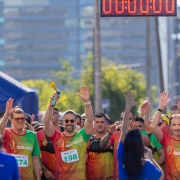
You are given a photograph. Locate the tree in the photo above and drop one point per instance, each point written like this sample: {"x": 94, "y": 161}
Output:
{"x": 116, "y": 80}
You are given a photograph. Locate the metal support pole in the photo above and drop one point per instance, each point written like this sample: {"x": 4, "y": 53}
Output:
{"x": 97, "y": 61}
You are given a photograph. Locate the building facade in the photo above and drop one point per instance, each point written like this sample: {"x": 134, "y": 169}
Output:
{"x": 38, "y": 33}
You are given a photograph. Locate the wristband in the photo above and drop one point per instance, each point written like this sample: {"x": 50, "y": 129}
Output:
{"x": 87, "y": 103}
{"x": 160, "y": 110}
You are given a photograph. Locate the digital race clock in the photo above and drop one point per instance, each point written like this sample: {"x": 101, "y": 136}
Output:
{"x": 114, "y": 8}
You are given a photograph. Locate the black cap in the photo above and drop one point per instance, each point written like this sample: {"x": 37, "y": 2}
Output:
{"x": 28, "y": 118}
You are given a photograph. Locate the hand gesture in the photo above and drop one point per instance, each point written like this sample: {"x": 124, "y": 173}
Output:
{"x": 164, "y": 100}
{"x": 84, "y": 94}
{"x": 144, "y": 108}
{"x": 112, "y": 129}
{"x": 54, "y": 95}
{"x": 9, "y": 109}
{"x": 130, "y": 99}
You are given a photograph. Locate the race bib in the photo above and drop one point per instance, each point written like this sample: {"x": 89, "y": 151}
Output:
{"x": 22, "y": 160}
{"x": 70, "y": 156}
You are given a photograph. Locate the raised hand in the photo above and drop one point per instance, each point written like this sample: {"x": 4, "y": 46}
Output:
{"x": 164, "y": 100}
{"x": 9, "y": 109}
{"x": 112, "y": 129}
{"x": 85, "y": 95}
{"x": 144, "y": 108}
{"x": 54, "y": 95}
{"x": 130, "y": 99}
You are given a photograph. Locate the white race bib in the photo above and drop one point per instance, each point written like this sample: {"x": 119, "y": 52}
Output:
{"x": 70, "y": 156}
{"x": 22, "y": 160}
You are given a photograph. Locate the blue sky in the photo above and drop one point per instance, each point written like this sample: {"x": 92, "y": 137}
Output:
{"x": 178, "y": 2}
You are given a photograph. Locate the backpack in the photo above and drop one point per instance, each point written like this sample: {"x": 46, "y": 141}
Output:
{"x": 95, "y": 146}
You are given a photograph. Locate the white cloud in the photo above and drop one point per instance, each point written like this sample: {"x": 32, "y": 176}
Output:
{"x": 178, "y": 2}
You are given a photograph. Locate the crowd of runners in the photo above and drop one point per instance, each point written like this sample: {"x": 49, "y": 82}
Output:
{"x": 91, "y": 147}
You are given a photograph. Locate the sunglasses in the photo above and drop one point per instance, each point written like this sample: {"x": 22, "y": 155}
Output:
{"x": 71, "y": 120}
{"x": 18, "y": 119}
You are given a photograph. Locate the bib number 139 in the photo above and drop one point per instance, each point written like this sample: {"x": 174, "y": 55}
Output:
{"x": 70, "y": 156}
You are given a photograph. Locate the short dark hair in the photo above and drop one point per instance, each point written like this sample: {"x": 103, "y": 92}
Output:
{"x": 139, "y": 119}
{"x": 71, "y": 112}
{"x": 99, "y": 115}
{"x": 18, "y": 111}
{"x": 56, "y": 109}
{"x": 79, "y": 116}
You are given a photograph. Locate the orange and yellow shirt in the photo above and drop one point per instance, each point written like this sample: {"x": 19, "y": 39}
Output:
{"x": 99, "y": 165}
{"x": 70, "y": 155}
{"x": 23, "y": 147}
{"x": 172, "y": 154}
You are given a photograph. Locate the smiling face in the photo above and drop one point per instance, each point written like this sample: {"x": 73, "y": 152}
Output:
{"x": 69, "y": 122}
{"x": 18, "y": 121}
{"x": 175, "y": 126}
{"x": 100, "y": 125}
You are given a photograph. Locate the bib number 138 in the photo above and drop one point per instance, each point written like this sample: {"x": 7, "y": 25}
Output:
{"x": 70, "y": 156}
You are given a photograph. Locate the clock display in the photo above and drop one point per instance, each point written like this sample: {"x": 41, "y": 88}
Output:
{"x": 138, "y": 8}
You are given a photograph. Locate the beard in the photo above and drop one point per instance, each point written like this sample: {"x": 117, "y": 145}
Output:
{"x": 70, "y": 128}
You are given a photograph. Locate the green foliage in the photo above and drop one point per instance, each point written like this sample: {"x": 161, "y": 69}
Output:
{"x": 43, "y": 89}
{"x": 116, "y": 80}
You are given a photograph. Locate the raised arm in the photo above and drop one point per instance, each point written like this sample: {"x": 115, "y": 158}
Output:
{"x": 164, "y": 101}
{"x": 145, "y": 114}
{"x": 85, "y": 96}
{"x": 49, "y": 128}
{"x": 129, "y": 104}
{"x": 9, "y": 110}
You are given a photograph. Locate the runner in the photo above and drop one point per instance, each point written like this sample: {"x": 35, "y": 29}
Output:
{"x": 21, "y": 143}
{"x": 169, "y": 137}
{"x": 99, "y": 160}
{"x": 155, "y": 146}
{"x": 70, "y": 146}
{"x": 48, "y": 158}
{"x": 112, "y": 139}
{"x": 131, "y": 152}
